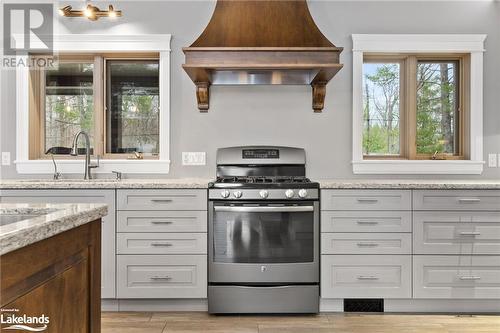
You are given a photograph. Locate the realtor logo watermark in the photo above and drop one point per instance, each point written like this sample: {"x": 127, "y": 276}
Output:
{"x": 28, "y": 28}
{"x": 10, "y": 319}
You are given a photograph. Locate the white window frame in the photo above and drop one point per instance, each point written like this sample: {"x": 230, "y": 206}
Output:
{"x": 87, "y": 43}
{"x": 414, "y": 44}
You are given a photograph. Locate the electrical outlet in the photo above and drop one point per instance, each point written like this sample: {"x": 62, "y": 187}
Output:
{"x": 492, "y": 160}
{"x": 6, "y": 158}
{"x": 193, "y": 158}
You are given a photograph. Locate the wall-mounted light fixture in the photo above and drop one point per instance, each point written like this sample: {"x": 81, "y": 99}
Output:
{"x": 91, "y": 12}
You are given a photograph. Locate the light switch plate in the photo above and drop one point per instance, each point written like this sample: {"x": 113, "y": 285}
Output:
{"x": 193, "y": 158}
{"x": 492, "y": 160}
{"x": 6, "y": 158}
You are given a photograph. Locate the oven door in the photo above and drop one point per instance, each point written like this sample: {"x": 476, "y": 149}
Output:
{"x": 268, "y": 243}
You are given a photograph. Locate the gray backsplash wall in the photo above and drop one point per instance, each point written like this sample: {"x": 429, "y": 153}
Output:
{"x": 282, "y": 115}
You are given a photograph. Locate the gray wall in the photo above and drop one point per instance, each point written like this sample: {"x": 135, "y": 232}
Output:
{"x": 282, "y": 115}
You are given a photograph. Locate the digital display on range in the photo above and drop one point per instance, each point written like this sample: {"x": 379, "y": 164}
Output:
{"x": 260, "y": 153}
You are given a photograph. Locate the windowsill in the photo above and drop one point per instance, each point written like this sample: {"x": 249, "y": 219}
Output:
{"x": 418, "y": 167}
{"x": 106, "y": 166}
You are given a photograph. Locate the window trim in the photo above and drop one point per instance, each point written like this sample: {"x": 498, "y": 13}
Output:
{"x": 89, "y": 43}
{"x": 472, "y": 45}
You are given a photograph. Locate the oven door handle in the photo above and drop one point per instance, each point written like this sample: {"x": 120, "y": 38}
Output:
{"x": 264, "y": 209}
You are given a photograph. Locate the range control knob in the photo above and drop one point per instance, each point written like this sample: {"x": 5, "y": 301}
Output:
{"x": 264, "y": 194}
{"x": 289, "y": 194}
{"x": 225, "y": 194}
{"x": 302, "y": 193}
{"x": 237, "y": 194}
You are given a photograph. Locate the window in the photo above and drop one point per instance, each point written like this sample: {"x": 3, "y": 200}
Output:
{"x": 132, "y": 102}
{"x": 414, "y": 106}
{"x": 112, "y": 97}
{"x": 417, "y": 104}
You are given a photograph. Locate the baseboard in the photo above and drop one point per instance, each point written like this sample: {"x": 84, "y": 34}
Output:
{"x": 443, "y": 305}
{"x": 154, "y": 305}
{"x": 326, "y": 305}
{"x": 331, "y": 305}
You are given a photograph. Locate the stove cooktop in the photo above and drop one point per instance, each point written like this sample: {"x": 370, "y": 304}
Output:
{"x": 263, "y": 182}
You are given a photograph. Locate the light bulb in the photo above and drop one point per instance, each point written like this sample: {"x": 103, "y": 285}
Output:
{"x": 89, "y": 11}
{"x": 111, "y": 11}
{"x": 64, "y": 10}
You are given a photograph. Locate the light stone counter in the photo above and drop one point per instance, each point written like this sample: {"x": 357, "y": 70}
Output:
{"x": 493, "y": 184}
{"x": 25, "y": 224}
{"x": 201, "y": 183}
{"x": 36, "y": 184}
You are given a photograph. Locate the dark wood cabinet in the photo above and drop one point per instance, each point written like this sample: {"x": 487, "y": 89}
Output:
{"x": 58, "y": 277}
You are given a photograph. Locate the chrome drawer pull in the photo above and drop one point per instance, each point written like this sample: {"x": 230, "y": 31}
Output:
{"x": 469, "y": 200}
{"x": 367, "y": 277}
{"x": 472, "y": 233}
{"x": 367, "y": 200}
{"x": 161, "y": 200}
{"x": 162, "y": 244}
{"x": 160, "y": 278}
{"x": 367, "y": 244}
{"x": 366, "y": 222}
{"x": 469, "y": 278}
{"x": 162, "y": 222}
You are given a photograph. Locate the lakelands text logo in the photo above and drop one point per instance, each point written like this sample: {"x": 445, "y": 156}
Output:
{"x": 28, "y": 28}
{"x": 23, "y": 322}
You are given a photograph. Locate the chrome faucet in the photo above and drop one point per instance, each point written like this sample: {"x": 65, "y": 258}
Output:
{"x": 57, "y": 174}
{"x": 74, "y": 152}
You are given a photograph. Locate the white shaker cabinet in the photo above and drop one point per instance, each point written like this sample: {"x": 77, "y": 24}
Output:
{"x": 80, "y": 196}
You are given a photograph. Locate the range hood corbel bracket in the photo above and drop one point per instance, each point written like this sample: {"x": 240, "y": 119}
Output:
{"x": 318, "y": 96}
{"x": 203, "y": 95}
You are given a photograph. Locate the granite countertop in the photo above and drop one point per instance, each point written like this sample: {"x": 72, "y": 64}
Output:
{"x": 24, "y": 224}
{"x": 201, "y": 183}
{"x": 103, "y": 183}
{"x": 491, "y": 184}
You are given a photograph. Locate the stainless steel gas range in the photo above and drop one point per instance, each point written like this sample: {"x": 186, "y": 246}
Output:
{"x": 263, "y": 233}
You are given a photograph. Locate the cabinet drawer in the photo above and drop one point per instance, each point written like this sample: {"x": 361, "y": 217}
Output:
{"x": 161, "y": 243}
{"x": 456, "y": 200}
{"x": 377, "y": 221}
{"x": 462, "y": 277}
{"x": 367, "y": 243}
{"x": 161, "y": 199}
{"x": 370, "y": 276}
{"x": 456, "y": 233}
{"x": 161, "y": 221}
{"x": 365, "y": 200}
{"x": 162, "y": 276}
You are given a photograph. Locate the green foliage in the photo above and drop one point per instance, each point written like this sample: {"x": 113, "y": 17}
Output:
{"x": 436, "y": 107}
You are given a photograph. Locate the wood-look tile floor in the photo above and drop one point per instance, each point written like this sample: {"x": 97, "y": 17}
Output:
{"x": 188, "y": 322}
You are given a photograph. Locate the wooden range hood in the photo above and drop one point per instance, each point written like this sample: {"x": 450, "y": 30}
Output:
{"x": 261, "y": 42}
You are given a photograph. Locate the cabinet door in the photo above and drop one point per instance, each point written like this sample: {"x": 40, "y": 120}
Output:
{"x": 456, "y": 200}
{"x": 367, "y": 276}
{"x": 463, "y": 233}
{"x": 56, "y": 299}
{"x": 80, "y": 196}
{"x": 162, "y": 276}
{"x": 161, "y": 221}
{"x": 365, "y": 221}
{"x": 365, "y": 243}
{"x": 365, "y": 200}
{"x": 161, "y": 243}
{"x": 179, "y": 199}
{"x": 461, "y": 277}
